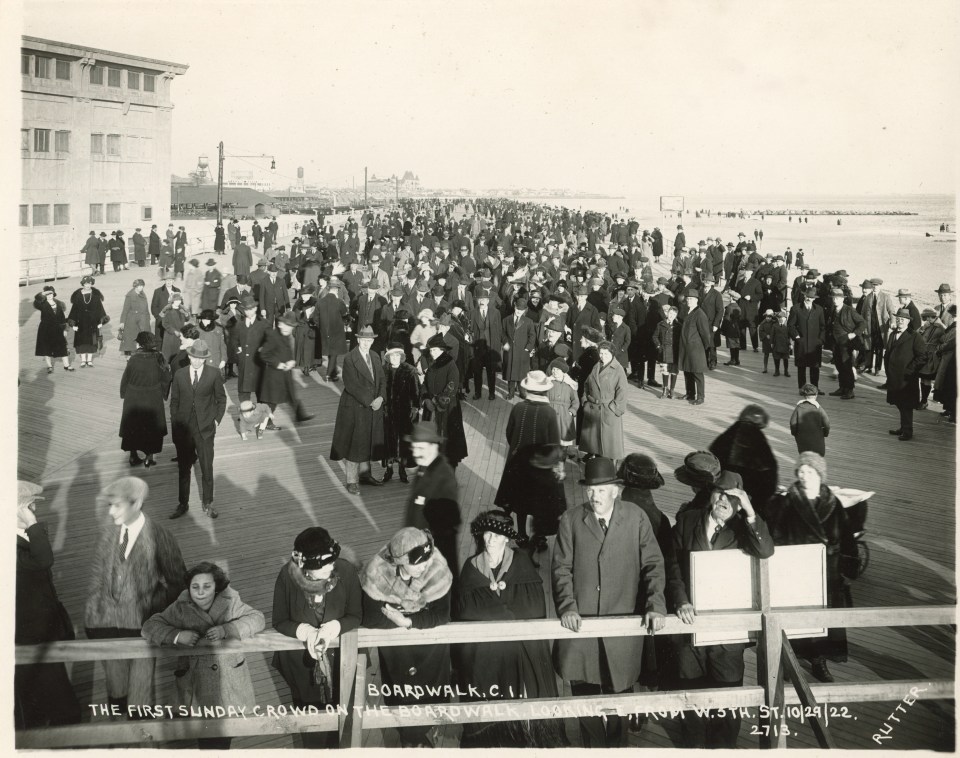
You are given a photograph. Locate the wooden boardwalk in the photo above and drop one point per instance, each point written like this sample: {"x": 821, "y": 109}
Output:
{"x": 267, "y": 491}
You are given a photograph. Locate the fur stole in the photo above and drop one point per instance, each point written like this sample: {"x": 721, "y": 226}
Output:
{"x": 314, "y": 590}
{"x": 381, "y": 581}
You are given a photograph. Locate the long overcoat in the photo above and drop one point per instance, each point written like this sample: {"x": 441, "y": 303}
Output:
{"x": 222, "y": 679}
{"x": 331, "y": 312}
{"x": 143, "y": 387}
{"x": 87, "y": 313}
{"x": 614, "y": 574}
{"x": 906, "y": 355}
{"x": 53, "y": 319}
{"x": 135, "y": 318}
{"x": 358, "y": 432}
{"x": 807, "y": 329}
{"x": 276, "y": 385}
{"x": 521, "y": 338}
{"x": 402, "y": 400}
{"x": 242, "y": 259}
{"x": 441, "y": 385}
{"x": 248, "y": 341}
{"x": 695, "y": 337}
{"x": 604, "y": 403}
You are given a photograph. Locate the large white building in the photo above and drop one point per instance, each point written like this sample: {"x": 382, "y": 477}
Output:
{"x": 95, "y": 144}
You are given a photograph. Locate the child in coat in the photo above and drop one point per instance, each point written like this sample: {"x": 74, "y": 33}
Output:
{"x": 765, "y": 332}
{"x": 562, "y": 397}
{"x": 809, "y": 423}
{"x": 254, "y": 418}
{"x": 731, "y": 328}
{"x": 666, "y": 338}
{"x": 780, "y": 338}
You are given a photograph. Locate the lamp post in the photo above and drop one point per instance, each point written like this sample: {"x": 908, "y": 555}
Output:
{"x": 273, "y": 167}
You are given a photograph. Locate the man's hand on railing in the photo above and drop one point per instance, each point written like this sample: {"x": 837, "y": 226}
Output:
{"x": 571, "y": 620}
{"x": 654, "y": 621}
{"x": 686, "y": 613}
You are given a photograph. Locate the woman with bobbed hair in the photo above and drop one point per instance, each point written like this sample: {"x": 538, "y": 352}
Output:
{"x": 208, "y": 611}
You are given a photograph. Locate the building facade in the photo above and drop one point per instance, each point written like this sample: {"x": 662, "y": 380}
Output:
{"x": 95, "y": 144}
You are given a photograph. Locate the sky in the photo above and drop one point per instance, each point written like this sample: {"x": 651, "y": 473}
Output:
{"x": 695, "y": 98}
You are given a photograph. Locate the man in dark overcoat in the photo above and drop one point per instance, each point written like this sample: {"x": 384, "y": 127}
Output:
{"x": 849, "y": 332}
{"x": 486, "y": 336}
{"x": 581, "y": 314}
{"x": 242, "y": 257}
{"x": 103, "y": 247}
{"x": 197, "y": 404}
{"x": 358, "y": 432}
{"x": 139, "y": 248}
{"x": 249, "y": 333}
{"x": 271, "y": 294}
{"x": 807, "y": 326}
{"x": 368, "y": 307}
{"x": 91, "y": 252}
{"x": 519, "y": 345}
{"x": 276, "y": 382}
{"x": 332, "y": 314}
{"x": 606, "y": 562}
{"x": 751, "y": 293}
{"x": 906, "y": 355}
{"x": 695, "y": 338}
{"x": 153, "y": 245}
{"x": 161, "y": 296}
{"x": 711, "y": 303}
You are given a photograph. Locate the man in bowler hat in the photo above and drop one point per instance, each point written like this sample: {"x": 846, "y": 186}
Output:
{"x": 906, "y": 355}
{"x": 606, "y": 563}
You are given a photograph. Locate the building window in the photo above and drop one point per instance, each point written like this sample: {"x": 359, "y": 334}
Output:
{"x": 63, "y": 70}
{"x": 24, "y": 215}
{"x": 96, "y": 75}
{"x": 133, "y": 80}
{"x": 25, "y": 140}
{"x": 113, "y": 77}
{"x": 96, "y": 213}
{"x": 146, "y": 213}
{"x": 113, "y": 213}
{"x": 96, "y": 144}
{"x": 61, "y": 215}
{"x": 25, "y": 68}
{"x": 41, "y": 140}
{"x": 41, "y": 215}
{"x": 61, "y": 142}
{"x": 113, "y": 144}
{"x": 41, "y": 67}
{"x": 149, "y": 83}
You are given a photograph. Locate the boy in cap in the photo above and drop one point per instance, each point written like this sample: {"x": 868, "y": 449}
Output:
{"x": 254, "y": 417}
{"x": 781, "y": 345}
{"x": 809, "y": 423}
{"x": 765, "y": 333}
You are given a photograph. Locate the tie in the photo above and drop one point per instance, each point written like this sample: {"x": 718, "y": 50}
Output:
{"x": 716, "y": 533}
{"x": 196, "y": 378}
{"x": 124, "y": 540}
{"x": 603, "y": 524}
{"x": 483, "y": 313}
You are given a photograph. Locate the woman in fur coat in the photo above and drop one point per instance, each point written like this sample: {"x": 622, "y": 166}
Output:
{"x": 208, "y": 610}
{"x": 407, "y": 585}
{"x": 305, "y": 334}
{"x": 441, "y": 400}
{"x": 402, "y": 403}
{"x": 214, "y": 335}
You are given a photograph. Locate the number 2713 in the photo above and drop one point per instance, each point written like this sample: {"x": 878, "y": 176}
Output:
{"x": 766, "y": 730}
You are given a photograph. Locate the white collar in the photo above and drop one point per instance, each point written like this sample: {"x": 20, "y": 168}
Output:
{"x": 533, "y": 398}
{"x": 134, "y": 529}
{"x": 811, "y": 400}
{"x": 23, "y": 533}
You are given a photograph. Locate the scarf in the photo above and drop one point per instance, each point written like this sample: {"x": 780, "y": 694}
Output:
{"x": 482, "y": 565}
{"x": 314, "y": 590}
{"x": 381, "y": 580}
{"x": 811, "y": 400}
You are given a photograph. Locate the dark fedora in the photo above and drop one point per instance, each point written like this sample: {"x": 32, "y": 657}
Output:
{"x": 600, "y": 471}
{"x": 640, "y": 471}
{"x": 437, "y": 341}
{"x": 424, "y": 433}
{"x": 699, "y": 469}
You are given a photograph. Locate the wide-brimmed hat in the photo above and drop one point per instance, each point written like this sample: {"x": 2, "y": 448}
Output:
{"x": 600, "y": 470}
{"x": 211, "y": 262}
{"x": 424, "y": 433}
{"x": 536, "y": 381}
{"x": 437, "y": 341}
{"x": 904, "y": 292}
{"x": 904, "y": 313}
{"x": 640, "y": 471}
{"x": 199, "y": 349}
{"x": 314, "y": 548}
{"x": 700, "y": 469}
{"x": 395, "y": 347}
{"x": 367, "y": 333}
{"x": 944, "y": 288}
{"x": 289, "y": 318}
{"x": 497, "y": 522}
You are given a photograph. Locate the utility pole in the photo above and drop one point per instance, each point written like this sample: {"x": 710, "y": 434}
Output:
{"x": 220, "y": 187}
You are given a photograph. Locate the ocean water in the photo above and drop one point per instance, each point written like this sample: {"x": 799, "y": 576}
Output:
{"x": 894, "y": 248}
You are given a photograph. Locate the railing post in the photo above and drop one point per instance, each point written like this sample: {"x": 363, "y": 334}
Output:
{"x": 359, "y": 702}
{"x": 769, "y": 670}
{"x": 348, "y": 669}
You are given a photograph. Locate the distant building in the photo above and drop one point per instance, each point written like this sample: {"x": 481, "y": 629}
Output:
{"x": 409, "y": 184}
{"x": 186, "y": 201}
{"x": 95, "y": 144}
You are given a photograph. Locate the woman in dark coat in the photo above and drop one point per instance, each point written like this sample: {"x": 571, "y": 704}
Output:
{"x": 134, "y": 318}
{"x": 399, "y": 331}
{"x": 407, "y": 584}
{"x": 402, "y": 405}
{"x": 306, "y": 348}
{"x": 743, "y": 449}
{"x": 441, "y": 400}
{"x": 530, "y": 486}
{"x": 85, "y": 318}
{"x": 276, "y": 381}
{"x": 143, "y": 388}
{"x": 219, "y": 239}
{"x": 51, "y": 343}
{"x": 809, "y": 513}
{"x": 331, "y": 315}
{"x": 500, "y": 583}
{"x": 316, "y": 598}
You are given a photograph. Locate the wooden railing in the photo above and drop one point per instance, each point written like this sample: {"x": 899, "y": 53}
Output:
{"x": 775, "y": 665}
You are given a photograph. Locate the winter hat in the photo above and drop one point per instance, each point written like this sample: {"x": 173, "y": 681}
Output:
{"x": 814, "y": 461}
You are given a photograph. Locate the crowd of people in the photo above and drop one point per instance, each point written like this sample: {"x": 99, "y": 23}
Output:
{"x": 565, "y": 308}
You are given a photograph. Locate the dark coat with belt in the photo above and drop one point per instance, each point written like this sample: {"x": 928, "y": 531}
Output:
{"x": 143, "y": 388}
{"x": 619, "y": 573}
{"x": 807, "y": 329}
{"x": 906, "y": 355}
{"x": 358, "y": 433}
{"x": 695, "y": 338}
{"x": 208, "y": 401}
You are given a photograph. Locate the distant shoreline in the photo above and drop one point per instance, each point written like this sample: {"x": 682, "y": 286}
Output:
{"x": 820, "y": 213}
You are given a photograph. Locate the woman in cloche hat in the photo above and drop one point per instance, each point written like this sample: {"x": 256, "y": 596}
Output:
{"x": 402, "y": 401}
{"x": 316, "y": 599}
{"x": 51, "y": 342}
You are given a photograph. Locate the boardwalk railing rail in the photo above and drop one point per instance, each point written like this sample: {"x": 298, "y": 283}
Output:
{"x": 353, "y": 716}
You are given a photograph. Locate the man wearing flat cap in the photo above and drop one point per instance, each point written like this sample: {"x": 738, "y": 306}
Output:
{"x": 606, "y": 562}
{"x": 905, "y": 358}
{"x": 137, "y": 570}
{"x": 726, "y": 522}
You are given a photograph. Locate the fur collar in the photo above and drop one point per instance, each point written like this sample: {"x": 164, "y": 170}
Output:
{"x": 380, "y": 580}
{"x": 442, "y": 361}
{"x": 314, "y": 590}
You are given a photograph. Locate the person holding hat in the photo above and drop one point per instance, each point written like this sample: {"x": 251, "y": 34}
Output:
{"x": 580, "y": 316}
{"x": 316, "y": 599}
{"x": 51, "y": 342}
{"x": 276, "y": 382}
{"x": 143, "y": 388}
{"x": 407, "y": 584}
{"x": 807, "y": 327}
{"x": 87, "y": 316}
{"x": 358, "y": 433}
{"x": 699, "y": 471}
{"x": 441, "y": 399}
{"x": 906, "y": 356}
{"x": 42, "y": 692}
{"x": 810, "y": 513}
{"x": 136, "y": 570}
{"x": 695, "y": 337}
{"x": 500, "y": 583}
{"x": 433, "y": 502}
{"x": 402, "y": 410}
{"x": 529, "y": 485}
{"x": 519, "y": 346}
{"x": 848, "y": 329}
{"x": 486, "y": 336}
{"x": 728, "y": 522}
{"x": 606, "y": 563}
{"x": 197, "y": 404}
